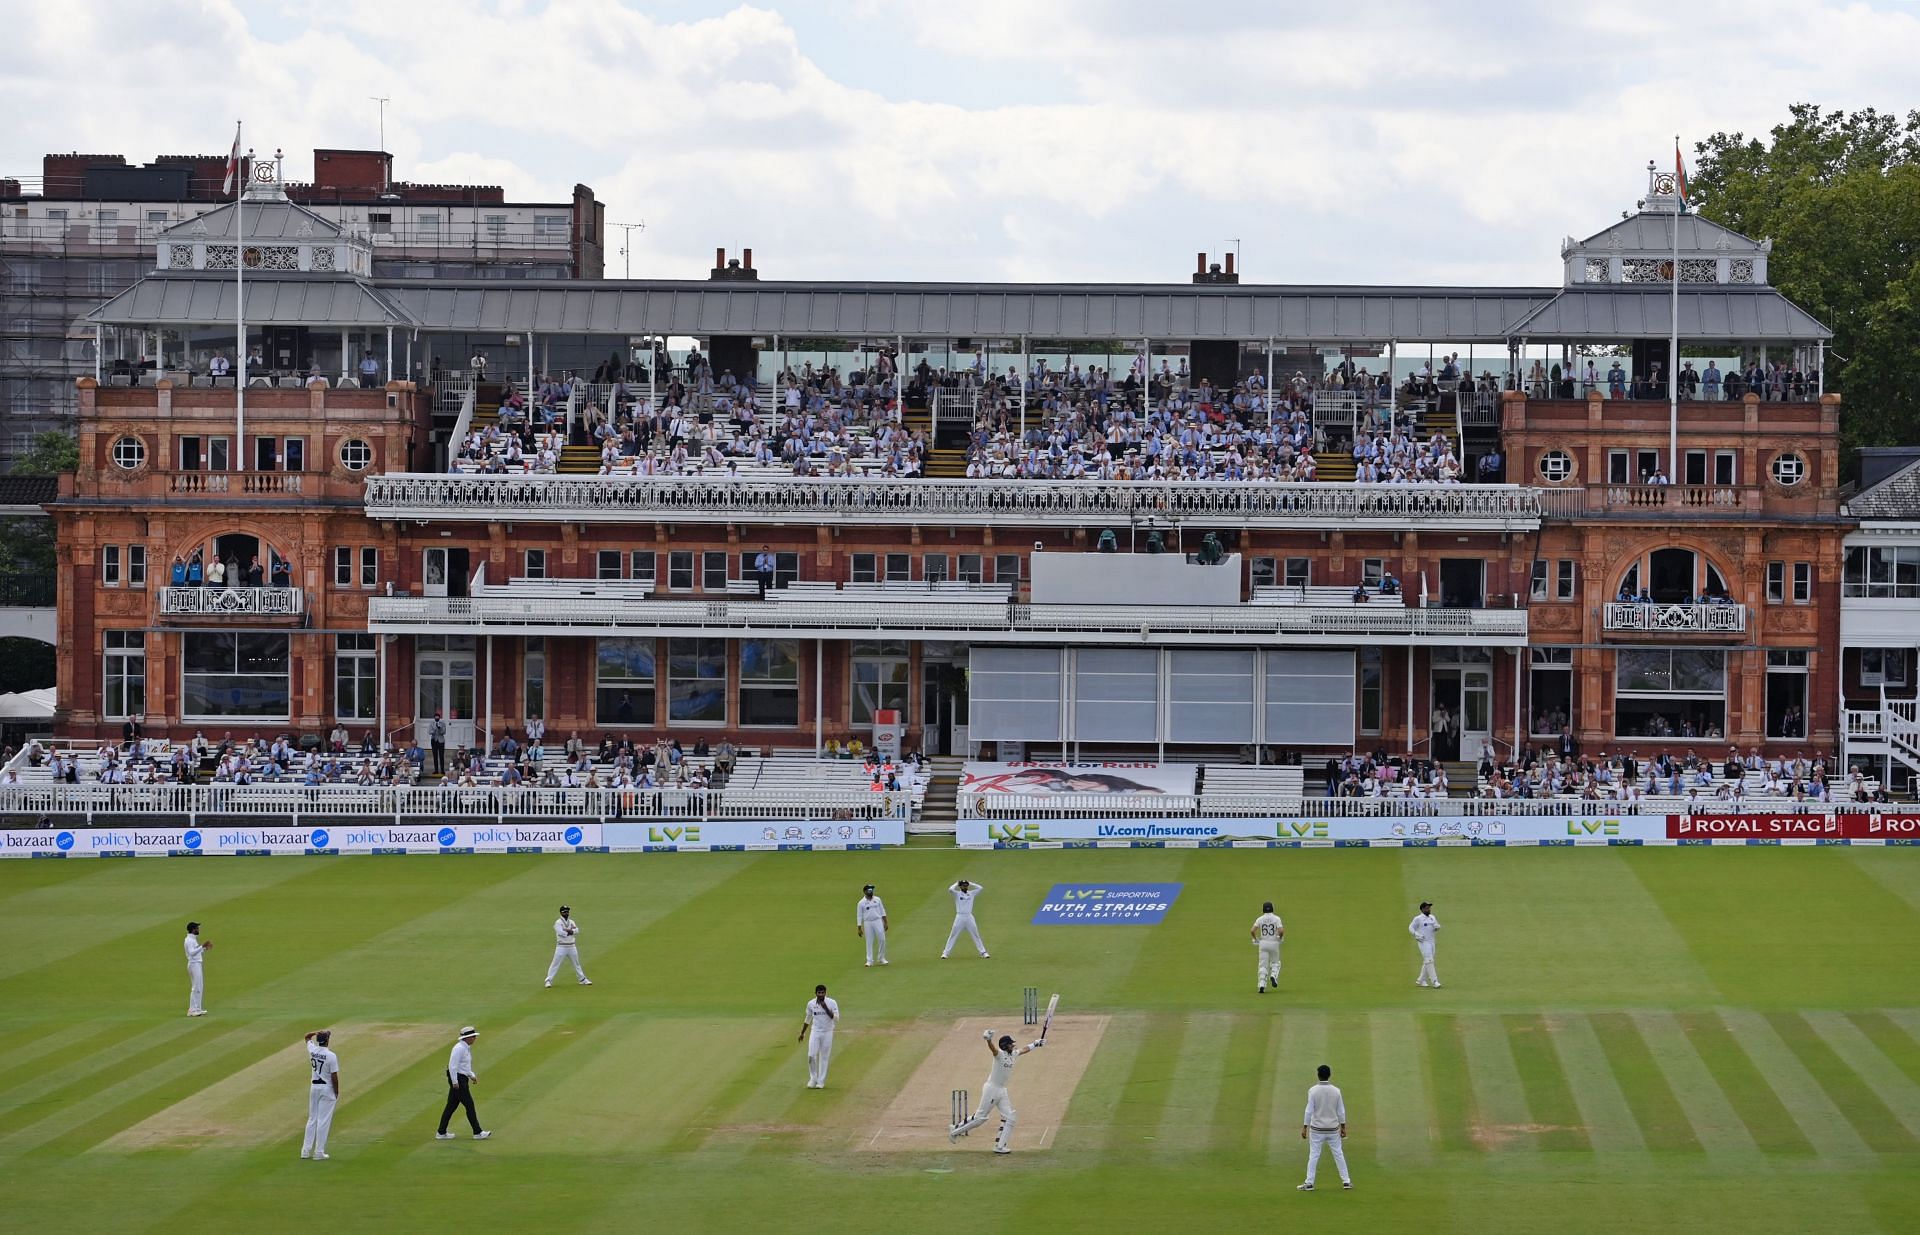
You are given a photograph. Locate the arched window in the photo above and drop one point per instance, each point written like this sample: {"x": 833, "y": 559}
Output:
{"x": 1674, "y": 576}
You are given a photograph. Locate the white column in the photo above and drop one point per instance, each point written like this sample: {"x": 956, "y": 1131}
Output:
{"x": 346, "y": 357}
{"x": 99, "y": 341}
{"x": 1519, "y": 657}
{"x": 900, "y": 376}
{"x": 529, "y": 364}
{"x": 487, "y": 724}
{"x": 1269, "y": 403}
{"x": 819, "y": 691}
{"x": 380, "y": 661}
{"x": 1024, "y": 371}
{"x": 389, "y": 353}
{"x": 1410, "y": 698}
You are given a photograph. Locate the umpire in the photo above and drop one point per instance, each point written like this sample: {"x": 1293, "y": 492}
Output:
{"x": 460, "y": 1079}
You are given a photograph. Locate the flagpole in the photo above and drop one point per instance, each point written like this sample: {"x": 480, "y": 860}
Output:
{"x": 240, "y": 308}
{"x": 1673, "y": 348}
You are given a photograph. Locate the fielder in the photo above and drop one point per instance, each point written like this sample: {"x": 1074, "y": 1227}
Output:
{"x": 196, "y": 981}
{"x": 820, "y": 1015}
{"x": 565, "y": 932}
{"x": 1324, "y": 1126}
{"x": 963, "y": 894}
{"x": 1422, "y": 929}
{"x": 323, "y": 1094}
{"x": 994, "y": 1094}
{"x": 1267, "y": 934}
{"x": 870, "y": 922}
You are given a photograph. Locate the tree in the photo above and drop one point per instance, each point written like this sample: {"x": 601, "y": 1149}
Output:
{"x": 1839, "y": 194}
{"x": 53, "y": 452}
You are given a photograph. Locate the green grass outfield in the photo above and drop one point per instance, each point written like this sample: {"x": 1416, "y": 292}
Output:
{"x": 1643, "y": 1040}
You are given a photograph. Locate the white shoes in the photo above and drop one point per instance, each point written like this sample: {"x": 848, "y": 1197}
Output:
{"x": 443, "y": 1136}
{"x": 549, "y": 983}
{"x": 986, "y": 956}
{"x": 586, "y": 981}
{"x": 481, "y": 1136}
{"x": 953, "y": 1133}
{"x": 883, "y": 961}
{"x": 869, "y": 964}
{"x": 1001, "y": 1149}
{"x": 1303, "y": 1187}
{"x": 201, "y": 1012}
{"x": 321, "y": 1157}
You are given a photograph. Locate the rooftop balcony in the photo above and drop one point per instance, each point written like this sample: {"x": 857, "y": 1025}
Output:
{"x": 952, "y": 503}
{"x": 249, "y": 602}
{"x": 577, "y": 607}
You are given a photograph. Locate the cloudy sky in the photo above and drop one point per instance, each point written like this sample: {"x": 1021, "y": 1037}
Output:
{"x": 1362, "y": 142}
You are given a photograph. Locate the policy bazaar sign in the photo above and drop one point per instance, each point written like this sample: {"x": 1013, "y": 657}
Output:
{"x": 754, "y": 834}
{"x": 1793, "y": 827}
{"x": 1100, "y": 904}
{"x": 1527, "y": 829}
{"x": 229, "y": 841}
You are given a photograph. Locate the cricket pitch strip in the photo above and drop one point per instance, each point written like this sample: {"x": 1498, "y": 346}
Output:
{"x": 1043, "y": 1085}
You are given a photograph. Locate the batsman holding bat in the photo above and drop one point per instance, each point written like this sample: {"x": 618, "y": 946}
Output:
{"x": 993, "y": 1094}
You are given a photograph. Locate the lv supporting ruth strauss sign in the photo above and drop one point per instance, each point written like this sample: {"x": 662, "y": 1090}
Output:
{"x": 1102, "y": 904}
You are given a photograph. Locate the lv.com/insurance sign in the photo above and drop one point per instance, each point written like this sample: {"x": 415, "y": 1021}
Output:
{"x": 1099, "y": 904}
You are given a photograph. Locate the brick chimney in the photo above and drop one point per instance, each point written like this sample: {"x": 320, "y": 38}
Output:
{"x": 1214, "y": 273}
{"x": 734, "y": 271}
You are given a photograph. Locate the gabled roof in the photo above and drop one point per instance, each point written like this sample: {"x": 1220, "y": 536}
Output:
{"x": 1707, "y": 313}
{"x": 1897, "y": 497}
{"x": 19, "y": 491}
{"x": 1652, "y": 232}
{"x": 263, "y": 221}
{"x": 297, "y": 300}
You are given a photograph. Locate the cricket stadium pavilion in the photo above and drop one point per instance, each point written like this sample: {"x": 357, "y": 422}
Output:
{"x": 1529, "y": 543}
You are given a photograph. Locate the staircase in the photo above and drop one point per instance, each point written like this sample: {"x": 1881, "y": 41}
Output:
{"x": 1463, "y": 777}
{"x": 940, "y": 811}
{"x": 946, "y": 464}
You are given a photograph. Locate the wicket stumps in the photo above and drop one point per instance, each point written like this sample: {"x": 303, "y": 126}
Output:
{"x": 962, "y": 1112}
{"x": 1030, "y": 1006}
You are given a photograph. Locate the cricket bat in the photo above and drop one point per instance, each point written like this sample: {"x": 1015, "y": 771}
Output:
{"x": 1048, "y": 1023}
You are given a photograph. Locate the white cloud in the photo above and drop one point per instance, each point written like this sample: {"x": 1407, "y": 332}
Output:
{"x": 1378, "y": 142}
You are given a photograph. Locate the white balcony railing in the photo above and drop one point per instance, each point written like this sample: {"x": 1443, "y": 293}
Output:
{"x": 1676, "y": 619}
{"x": 232, "y": 601}
{"x": 499, "y": 610}
{"x": 1078, "y": 503}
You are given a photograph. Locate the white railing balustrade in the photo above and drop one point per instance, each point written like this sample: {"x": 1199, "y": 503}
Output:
{"x": 415, "y": 802}
{"x": 1077, "y": 503}
{"x": 1725, "y": 619}
{"x": 232, "y": 601}
{"x": 1012, "y": 806}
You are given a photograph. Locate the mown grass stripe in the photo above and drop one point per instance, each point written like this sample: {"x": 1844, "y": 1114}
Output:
{"x": 1504, "y": 1124}
{"x": 57, "y": 1051}
{"x": 1549, "y": 1096}
{"x": 1237, "y": 1091}
{"x": 1351, "y": 1043}
{"x": 1301, "y": 1049}
{"x": 1851, "y": 1092}
{"x": 33, "y": 1102}
{"x": 1259, "y": 1125}
{"x": 1899, "y": 1048}
{"x": 1185, "y": 1119}
{"x": 1763, "y": 1117}
{"x": 1449, "y": 1083}
{"x": 1720, "y": 1127}
{"x": 1663, "y": 1121}
{"x": 1885, "y": 1075}
{"x": 1403, "y": 1124}
{"x": 1604, "y": 1112}
{"x": 1826, "y": 1128}
{"x": 1135, "y": 1117}
{"x": 87, "y": 1123}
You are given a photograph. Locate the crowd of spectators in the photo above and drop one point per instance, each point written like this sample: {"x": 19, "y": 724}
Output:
{"x": 1731, "y": 782}
{"x": 195, "y": 570}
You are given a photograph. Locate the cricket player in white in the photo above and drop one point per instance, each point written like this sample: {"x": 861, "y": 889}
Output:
{"x": 963, "y": 894}
{"x": 820, "y": 1015}
{"x": 323, "y": 1094}
{"x": 993, "y": 1094}
{"x": 196, "y": 980}
{"x": 870, "y": 922}
{"x": 565, "y": 948}
{"x": 1267, "y": 934}
{"x": 1422, "y": 929}
{"x": 1325, "y": 1126}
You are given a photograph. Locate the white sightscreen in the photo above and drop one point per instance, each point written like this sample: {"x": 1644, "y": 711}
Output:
{"x": 1210, "y": 696}
{"x": 1310, "y": 696}
{"x": 1013, "y": 694}
{"x": 1116, "y": 694}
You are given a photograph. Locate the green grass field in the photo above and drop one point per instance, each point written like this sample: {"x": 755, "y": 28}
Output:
{"x": 1644, "y": 1040}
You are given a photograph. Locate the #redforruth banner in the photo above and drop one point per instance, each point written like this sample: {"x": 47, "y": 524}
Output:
{"x": 1044, "y": 778}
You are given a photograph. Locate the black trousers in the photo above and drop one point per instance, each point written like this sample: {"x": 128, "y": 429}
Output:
{"x": 440, "y": 758}
{"x": 458, "y": 1095}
